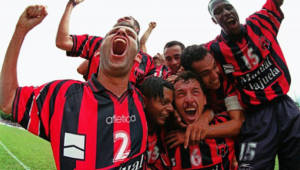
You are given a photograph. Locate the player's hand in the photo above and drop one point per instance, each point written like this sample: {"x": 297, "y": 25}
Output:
{"x": 172, "y": 78}
{"x": 152, "y": 25}
{"x": 196, "y": 131}
{"x": 32, "y": 16}
{"x": 76, "y": 2}
{"x": 179, "y": 119}
{"x": 181, "y": 69}
{"x": 174, "y": 138}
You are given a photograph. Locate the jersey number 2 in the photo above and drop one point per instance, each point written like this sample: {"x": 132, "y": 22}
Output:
{"x": 121, "y": 153}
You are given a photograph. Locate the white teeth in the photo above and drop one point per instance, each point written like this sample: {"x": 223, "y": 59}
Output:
{"x": 120, "y": 40}
{"x": 190, "y": 109}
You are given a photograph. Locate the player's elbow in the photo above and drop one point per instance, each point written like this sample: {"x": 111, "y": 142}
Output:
{"x": 6, "y": 107}
{"x": 59, "y": 43}
{"x": 64, "y": 43}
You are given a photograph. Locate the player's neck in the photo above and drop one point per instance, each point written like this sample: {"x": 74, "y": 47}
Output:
{"x": 116, "y": 85}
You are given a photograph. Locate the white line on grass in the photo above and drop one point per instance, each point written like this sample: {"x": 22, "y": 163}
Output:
{"x": 12, "y": 155}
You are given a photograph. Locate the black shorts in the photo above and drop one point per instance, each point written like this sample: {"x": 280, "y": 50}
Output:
{"x": 269, "y": 130}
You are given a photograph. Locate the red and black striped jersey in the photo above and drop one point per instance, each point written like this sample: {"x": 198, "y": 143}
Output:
{"x": 254, "y": 61}
{"x": 206, "y": 154}
{"x": 88, "y": 47}
{"x": 87, "y": 125}
{"x": 162, "y": 71}
{"x": 224, "y": 98}
{"x": 155, "y": 151}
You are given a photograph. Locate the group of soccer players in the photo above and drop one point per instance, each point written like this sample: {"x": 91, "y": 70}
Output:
{"x": 215, "y": 106}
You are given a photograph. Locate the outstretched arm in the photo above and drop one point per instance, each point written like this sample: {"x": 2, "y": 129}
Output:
{"x": 32, "y": 16}
{"x": 146, "y": 35}
{"x": 63, "y": 39}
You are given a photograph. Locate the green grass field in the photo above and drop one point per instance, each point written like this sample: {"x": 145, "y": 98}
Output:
{"x": 32, "y": 151}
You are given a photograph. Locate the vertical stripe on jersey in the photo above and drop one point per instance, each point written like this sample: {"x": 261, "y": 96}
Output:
{"x": 70, "y": 122}
{"x": 26, "y": 115}
{"x": 52, "y": 102}
{"x": 105, "y": 131}
{"x": 260, "y": 94}
{"x": 71, "y": 53}
{"x": 136, "y": 128}
{"x": 206, "y": 154}
{"x": 89, "y": 128}
{"x": 80, "y": 49}
{"x": 40, "y": 101}
{"x": 91, "y": 52}
{"x": 277, "y": 89}
{"x": 97, "y": 45}
{"x": 237, "y": 53}
{"x": 16, "y": 104}
{"x": 122, "y": 142}
{"x": 281, "y": 64}
{"x": 185, "y": 157}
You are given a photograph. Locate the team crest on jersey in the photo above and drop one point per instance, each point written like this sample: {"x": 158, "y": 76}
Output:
{"x": 228, "y": 68}
{"x": 265, "y": 43}
{"x": 74, "y": 146}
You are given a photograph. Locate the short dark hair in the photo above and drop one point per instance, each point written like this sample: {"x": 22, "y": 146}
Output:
{"x": 172, "y": 43}
{"x": 152, "y": 87}
{"x": 192, "y": 54}
{"x": 210, "y": 5}
{"x": 137, "y": 25}
{"x": 188, "y": 75}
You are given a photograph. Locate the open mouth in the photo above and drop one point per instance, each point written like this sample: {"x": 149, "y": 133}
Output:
{"x": 119, "y": 46}
{"x": 190, "y": 111}
{"x": 231, "y": 21}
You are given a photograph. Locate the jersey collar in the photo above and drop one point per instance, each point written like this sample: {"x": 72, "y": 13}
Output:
{"x": 97, "y": 87}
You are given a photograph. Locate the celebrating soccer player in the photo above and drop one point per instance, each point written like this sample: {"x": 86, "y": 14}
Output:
{"x": 252, "y": 59}
{"x": 99, "y": 124}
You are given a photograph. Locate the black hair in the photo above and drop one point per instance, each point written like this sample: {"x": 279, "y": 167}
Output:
{"x": 210, "y": 5}
{"x": 188, "y": 75}
{"x": 192, "y": 54}
{"x": 137, "y": 25}
{"x": 152, "y": 87}
{"x": 172, "y": 43}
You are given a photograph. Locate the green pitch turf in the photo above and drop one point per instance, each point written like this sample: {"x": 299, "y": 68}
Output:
{"x": 31, "y": 151}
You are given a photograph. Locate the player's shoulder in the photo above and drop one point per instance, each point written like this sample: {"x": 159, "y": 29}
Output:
{"x": 144, "y": 55}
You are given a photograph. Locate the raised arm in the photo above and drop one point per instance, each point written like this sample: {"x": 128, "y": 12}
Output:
{"x": 146, "y": 35}
{"x": 32, "y": 16}
{"x": 63, "y": 39}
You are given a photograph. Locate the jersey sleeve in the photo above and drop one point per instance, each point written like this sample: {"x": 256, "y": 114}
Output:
{"x": 84, "y": 46}
{"x": 220, "y": 118}
{"x": 34, "y": 106}
{"x": 144, "y": 67}
{"x": 269, "y": 17}
{"x": 231, "y": 96}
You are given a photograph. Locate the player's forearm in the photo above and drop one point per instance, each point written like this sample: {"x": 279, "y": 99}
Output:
{"x": 226, "y": 129}
{"x": 8, "y": 79}
{"x": 63, "y": 39}
{"x": 146, "y": 36}
{"x": 230, "y": 128}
